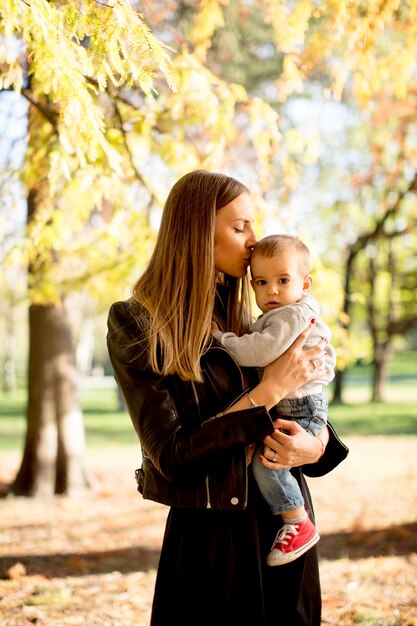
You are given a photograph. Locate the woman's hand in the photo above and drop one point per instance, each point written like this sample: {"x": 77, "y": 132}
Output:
{"x": 291, "y": 446}
{"x": 293, "y": 368}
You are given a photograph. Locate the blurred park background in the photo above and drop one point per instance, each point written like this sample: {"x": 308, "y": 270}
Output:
{"x": 103, "y": 105}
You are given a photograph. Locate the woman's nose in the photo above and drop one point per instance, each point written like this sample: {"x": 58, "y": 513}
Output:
{"x": 252, "y": 239}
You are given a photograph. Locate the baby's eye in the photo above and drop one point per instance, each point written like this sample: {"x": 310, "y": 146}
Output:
{"x": 261, "y": 283}
{"x": 283, "y": 281}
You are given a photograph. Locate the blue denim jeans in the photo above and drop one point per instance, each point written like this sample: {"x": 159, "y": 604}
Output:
{"x": 279, "y": 487}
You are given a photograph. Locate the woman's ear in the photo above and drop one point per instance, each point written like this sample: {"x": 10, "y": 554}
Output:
{"x": 307, "y": 282}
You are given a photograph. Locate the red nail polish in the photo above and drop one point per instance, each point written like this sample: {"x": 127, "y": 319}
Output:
{"x": 313, "y": 321}
{"x": 260, "y": 457}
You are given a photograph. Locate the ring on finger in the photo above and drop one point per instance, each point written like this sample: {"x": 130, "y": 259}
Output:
{"x": 274, "y": 459}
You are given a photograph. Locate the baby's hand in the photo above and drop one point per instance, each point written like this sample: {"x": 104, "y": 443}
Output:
{"x": 214, "y": 327}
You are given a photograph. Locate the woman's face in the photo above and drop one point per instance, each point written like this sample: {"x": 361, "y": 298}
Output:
{"x": 234, "y": 236}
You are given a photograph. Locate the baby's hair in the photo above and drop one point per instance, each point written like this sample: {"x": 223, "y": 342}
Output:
{"x": 274, "y": 245}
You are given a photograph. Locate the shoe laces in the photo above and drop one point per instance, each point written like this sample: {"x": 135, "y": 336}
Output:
{"x": 285, "y": 533}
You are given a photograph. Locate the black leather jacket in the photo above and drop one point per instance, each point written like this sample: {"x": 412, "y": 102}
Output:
{"x": 191, "y": 456}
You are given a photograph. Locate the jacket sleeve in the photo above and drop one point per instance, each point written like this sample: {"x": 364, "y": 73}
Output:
{"x": 335, "y": 453}
{"x": 174, "y": 449}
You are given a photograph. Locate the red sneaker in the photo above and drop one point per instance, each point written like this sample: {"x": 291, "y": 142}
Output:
{"x": 292, "y": 541}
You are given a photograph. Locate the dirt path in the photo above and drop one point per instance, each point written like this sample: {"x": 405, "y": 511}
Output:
{"x": 92, "y": 561}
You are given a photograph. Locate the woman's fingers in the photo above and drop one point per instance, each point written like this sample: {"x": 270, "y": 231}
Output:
{"x": 302, "y": 337}
{"x": 279, "y": 446}
{"x": 285, "y": 428}
{"x": 274, "y": 465}
{"x": 317, "y": 362}
{"x": 294, "y": 368}
{"x": 289, "y": 445}
{"x": 316, "y": 356}
{"x": 271, "y": 458}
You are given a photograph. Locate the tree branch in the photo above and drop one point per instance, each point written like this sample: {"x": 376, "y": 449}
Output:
{"x": 138, "y": 175}
{"x": 401, "y": 326}
{"x": 378, "y": 229}
{"x": 47, "y": 112}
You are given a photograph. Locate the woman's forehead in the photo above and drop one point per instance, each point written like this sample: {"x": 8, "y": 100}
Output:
{"x": 239, "y": 209}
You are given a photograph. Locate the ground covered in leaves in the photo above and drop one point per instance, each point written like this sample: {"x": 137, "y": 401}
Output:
{"x": 92, "y": 560}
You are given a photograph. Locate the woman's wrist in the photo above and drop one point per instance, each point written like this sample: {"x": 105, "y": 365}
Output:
{"x": 322, "y": 449}
{"x": 251, "y": 400}
{"x": 322, "y": 438}
{"x": 258, "y": 396}
{"x": 265, "y": 395}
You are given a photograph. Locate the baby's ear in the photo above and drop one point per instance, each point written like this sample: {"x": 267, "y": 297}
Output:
{"x": 308, "y": 281}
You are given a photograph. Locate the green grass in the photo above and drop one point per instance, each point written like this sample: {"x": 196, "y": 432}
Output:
{"x": 403, "y": 365}
{"x": 106, "y": 425}
{"x": 397, "y": 415}
{"x": 377, "y": 418}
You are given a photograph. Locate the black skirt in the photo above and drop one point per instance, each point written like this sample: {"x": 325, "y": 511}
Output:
{"x": 212, "y": 570}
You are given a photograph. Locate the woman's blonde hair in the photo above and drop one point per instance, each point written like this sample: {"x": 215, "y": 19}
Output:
{"x": 179, "y": 286}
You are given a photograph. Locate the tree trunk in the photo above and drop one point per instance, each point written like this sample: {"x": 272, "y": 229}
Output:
{"x": 382, "y": 353}
{"x": 54, "y": 454}
{"x": 345, "y": 321}
{"x": 338, "y": 386}
{"x": 9, "y": 364}
{"x": 379, "y": 325}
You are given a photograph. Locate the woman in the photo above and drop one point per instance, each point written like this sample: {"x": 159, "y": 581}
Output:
{"x": 197, "y": 415}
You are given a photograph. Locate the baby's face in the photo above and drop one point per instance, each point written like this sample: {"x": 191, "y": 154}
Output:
{"x": 278, "y": 280}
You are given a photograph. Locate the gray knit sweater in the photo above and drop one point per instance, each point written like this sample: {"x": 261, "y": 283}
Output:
{"x": 274, "y": 332}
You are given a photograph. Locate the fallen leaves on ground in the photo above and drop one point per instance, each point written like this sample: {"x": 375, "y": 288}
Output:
{"x": 92, "y": 560}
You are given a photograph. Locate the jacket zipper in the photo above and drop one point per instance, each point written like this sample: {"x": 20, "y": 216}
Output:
{"x": 208, "y": 504}
{"x": 241, "y": 380}
{"x": 233, "y": 359}
{"x": 245, "y": 501}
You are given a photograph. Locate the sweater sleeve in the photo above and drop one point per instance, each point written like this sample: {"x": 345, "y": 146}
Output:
{"x": 270, "y": 336}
